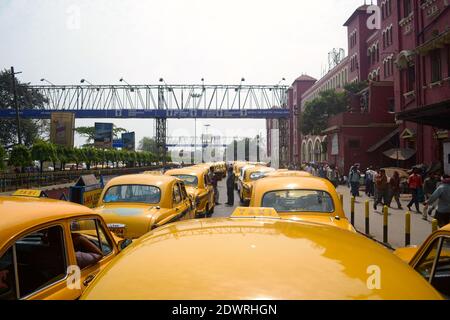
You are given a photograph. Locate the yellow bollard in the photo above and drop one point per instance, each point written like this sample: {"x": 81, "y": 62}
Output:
{"x": 385, "y": 224}
{"x": 407, "y": 229}
{"x": 352, "y": 211}
{"x": 434, "y": 225}
{"x": 367, "y": 217}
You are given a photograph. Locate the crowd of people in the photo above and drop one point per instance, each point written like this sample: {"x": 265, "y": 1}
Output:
{"x": 429, "y": 190}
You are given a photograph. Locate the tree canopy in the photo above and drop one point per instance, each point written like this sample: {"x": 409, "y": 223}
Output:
{"x": 2, "y": 158}
{"x": 31, "y": 129}
{"x": 20, "y": 156}
{"x": 328, "y": 104}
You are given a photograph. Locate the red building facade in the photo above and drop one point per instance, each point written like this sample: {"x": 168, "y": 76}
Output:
{"x": 407, "y": 102}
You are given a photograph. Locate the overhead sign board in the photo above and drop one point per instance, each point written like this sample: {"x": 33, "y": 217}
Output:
{"x": 129, "y": 141}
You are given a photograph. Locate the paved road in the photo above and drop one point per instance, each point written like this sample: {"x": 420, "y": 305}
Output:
{"x": 420, "y": 229}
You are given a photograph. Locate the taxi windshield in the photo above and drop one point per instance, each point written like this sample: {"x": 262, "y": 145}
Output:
{"x": 188, "y": 179}
{"x": 299, "y": 201}
{"x": 133, "y": 193}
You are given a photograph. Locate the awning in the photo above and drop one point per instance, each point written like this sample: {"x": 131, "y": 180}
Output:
{"x": 437, "y": 42}
{"x": 436, "y": 115}
{"x": 400, "y": 154}
{"x": 377, "y": 145}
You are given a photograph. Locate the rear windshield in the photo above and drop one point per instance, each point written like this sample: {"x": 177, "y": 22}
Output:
{"x": 299, "y": 201}
{"x": 257, "y": 175}
{"x": 189, "y": 180}
{"x": 133, "y": 193}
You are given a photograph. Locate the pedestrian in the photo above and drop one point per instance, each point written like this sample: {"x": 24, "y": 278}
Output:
{"x": 333, "y": 175}
{"x": 430, "y": 185}
{"x": 415, "y": 185}
{"x": 369, "y": 177}
{"x": 354, "y": 180}
{"x": 442, "y": 196}
{"x": 381, "y": 184}
{"x": 214, "y": 182}
{"x": 394, "y": 186}
{"x": 230, "y": 187}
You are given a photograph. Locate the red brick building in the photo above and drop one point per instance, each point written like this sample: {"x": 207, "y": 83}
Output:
{"x": 406, "y": 62}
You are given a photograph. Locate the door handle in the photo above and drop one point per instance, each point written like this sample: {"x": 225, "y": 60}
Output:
{"x": 88, "y": 279}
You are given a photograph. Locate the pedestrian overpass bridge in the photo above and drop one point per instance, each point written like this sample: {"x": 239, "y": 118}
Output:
{"x": 157, "y": 101}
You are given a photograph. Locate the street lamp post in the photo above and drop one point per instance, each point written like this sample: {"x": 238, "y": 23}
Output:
{"x": 204, "y": 141}
{"x": 16, "y": 104}
{"x": 84, "y": 80}
{"x": 239, "y": 92}
{"x": 45, "y": 80}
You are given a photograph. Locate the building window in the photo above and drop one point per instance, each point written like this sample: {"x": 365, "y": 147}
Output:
{"x": 391, "y": 105}
{"x": 407, "y": 7}
{"x": 411, "y": 78}
{"x": 436, "y": 72}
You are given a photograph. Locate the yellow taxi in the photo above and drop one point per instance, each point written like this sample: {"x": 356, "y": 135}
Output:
{"x": 51, "y": 249}
{"x": 249, "y": 175}
{"x": 135, "y": 204}
{"x": 237, "y": 166}
{"x": 301, "y": 198}
{"x": 255, "y": 255}
{"x": 198, "y": 187}
{"x": 431, "y": 260}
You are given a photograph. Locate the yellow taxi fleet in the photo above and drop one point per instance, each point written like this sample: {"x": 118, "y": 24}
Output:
{"x": 198, "y": 187}
{"x": 256, "y": 255}
{"x": 248, "y": 176}
{"x": 296, "y": 235}
{"x": 43, "y": 242}
{"x": 132, "y": 205}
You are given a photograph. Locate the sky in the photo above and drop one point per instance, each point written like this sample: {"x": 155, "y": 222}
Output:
{"x": 179, "y": 40}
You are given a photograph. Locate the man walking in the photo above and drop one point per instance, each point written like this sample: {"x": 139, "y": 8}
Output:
{"x": 354, "y": 179}
{"x": 381, "y": 184}
{"x": 442, "y": 196}
{"x": 394, "y": 186}
{"x": 230, "y": 187}
{"x": 415, "y": 185}
{"x": 368, "y": 177}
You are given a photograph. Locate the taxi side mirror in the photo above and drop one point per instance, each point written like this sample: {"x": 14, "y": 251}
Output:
{"x": 124, "y": 243}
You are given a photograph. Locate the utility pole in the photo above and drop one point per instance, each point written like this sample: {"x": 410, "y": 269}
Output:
{"x": 16, "y": 105}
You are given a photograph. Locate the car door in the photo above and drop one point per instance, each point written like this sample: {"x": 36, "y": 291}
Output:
{"x": 36, "y": 266}
{"x": 189, "y": 211}
{"x": 93, "y": 247}
{"x": 434, "y": 264}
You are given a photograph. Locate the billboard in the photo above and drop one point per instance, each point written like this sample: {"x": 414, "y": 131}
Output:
{"x": 62, "y": 128}
{"x": 129, "y": 141}
{"x": 103, "y": 135}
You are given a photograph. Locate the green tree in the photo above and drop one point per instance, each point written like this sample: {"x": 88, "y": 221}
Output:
{"x": 149, "y": 145}
{"x": 43, "y": 151}
{"x": 319, "y": 110}
{"x": 355, "y": 87}
{"x": 91, "y": 156}
{"x": 20, "y": 157}
{"x": 89, "y": 134}
{"x": 31, "y": 130}
{"x": 2, "y": 158}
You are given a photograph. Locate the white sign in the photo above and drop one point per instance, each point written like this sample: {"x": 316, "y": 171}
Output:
{"x": 335, "y": 145}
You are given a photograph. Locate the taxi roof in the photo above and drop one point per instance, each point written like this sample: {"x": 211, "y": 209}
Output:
{"x": 18, "y": 214}
{"x": 294, "y": 182}
{"x": 143, "y": 179}
{"x": 254, "y": 258}
{"x": 187, "y": 171}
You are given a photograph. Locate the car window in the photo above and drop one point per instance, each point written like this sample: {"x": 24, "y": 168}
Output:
{"x": 441, "y": 277}
{"x": 188, "y": 180}
{"x": 7, "y": 277}
{"x": 133, "y": 193}
{"x": 257, "y": 175}
{"x": 183, "y": 191}
{"x": 176, "y": 194}
{"x": 90, "y": 242}
{"x": 299, "y": 201}
{"x": 40, "y": 259}
{"x": 425, "y": 266}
